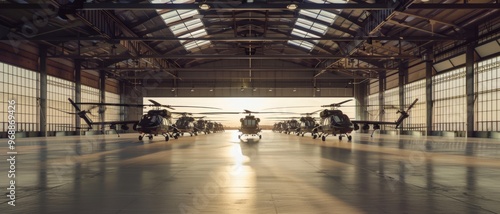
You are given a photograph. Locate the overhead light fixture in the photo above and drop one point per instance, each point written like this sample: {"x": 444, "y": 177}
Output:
{"x": 204, "y": 6}
{"x": 211, "y": 89}
{"x": 292, "y": 6}
{"x": 425, "y": 0}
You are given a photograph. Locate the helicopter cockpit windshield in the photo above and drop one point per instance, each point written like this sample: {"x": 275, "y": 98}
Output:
{"x": 148, "y": 120}
{"x": 249, "y": 122}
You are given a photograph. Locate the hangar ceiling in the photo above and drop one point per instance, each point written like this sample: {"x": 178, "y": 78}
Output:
{"x": 249, "y": 43}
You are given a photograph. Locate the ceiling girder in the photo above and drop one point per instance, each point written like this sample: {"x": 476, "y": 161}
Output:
{"x": 245, "y": 39}
{"x": 255, "y": 6}
{"x": 212, "y": 56}
{"x": 239, "y": 69}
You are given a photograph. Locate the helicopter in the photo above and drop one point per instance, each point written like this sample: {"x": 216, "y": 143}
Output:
{"x": 308, "y": 124}
{"x": 249, "y": 124}
{"x": 152, "y": 123}
{"x": 334, "y": 121}
{"x": 185, "y": 124}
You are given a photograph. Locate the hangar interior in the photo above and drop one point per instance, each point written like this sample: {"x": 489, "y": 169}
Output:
{"x": 383, "y": 52}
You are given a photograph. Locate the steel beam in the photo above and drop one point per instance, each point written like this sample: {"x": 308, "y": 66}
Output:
{"x": 254, "y": 6}
{"x": 78, "y": 89}
{"x": 238, "y": 69}
{"x": 381, "y": 90}
{"x": 243, "y": 39}
{"x": 42, "y": 50}
{"x": 214, "y": 6}
{"x": 469, "y": 87}
{"x": 102, "y": 97}
{"x": 428, "y": 92}
{"x": 402, "y": 80}
{"x": 232, "y": 57}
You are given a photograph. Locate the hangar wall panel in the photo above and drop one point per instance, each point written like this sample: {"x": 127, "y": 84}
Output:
{"x": 449, "y": 99}
{"x": 488, "y": 95}
{"x": 90, "y": 94}
{"x": 21, "y": 85}
{"x": 391, "y": 97}
{"x": 417, "y": 119}
{"x": 113, "y": 113}
{"x": 58, "y": 92}
{"x": 373, "y": 107}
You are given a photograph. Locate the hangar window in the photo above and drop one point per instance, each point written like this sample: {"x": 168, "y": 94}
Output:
{"x": 21, "y": 85}
{"x": 58, "y": 92}
{"x": 373, "y": 107}
{"x": 417, "y": 119}
{"x": 90, "y": 94}
{"x": 391, "y": 97}
{"x": 488, "y": 95}
{"x": 112, "y": 112}
{"x": 449, "y": 101}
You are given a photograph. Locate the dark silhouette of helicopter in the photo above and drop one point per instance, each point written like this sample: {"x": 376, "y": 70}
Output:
{"x": 334, "y": 121}
{"x": 152, "y": 123}
{"x": 185, "y": 124}
{"x": 307, "y": 124}
{"x": 249, "y": 124}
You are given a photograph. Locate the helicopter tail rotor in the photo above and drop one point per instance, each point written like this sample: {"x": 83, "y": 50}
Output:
{"x": 404, "y": 114}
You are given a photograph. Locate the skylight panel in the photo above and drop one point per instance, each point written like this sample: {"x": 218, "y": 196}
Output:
{"x": 314, "y": 29}
{"x": 182, "y": 24}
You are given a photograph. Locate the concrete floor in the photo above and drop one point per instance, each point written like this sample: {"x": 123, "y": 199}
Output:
{"x": 281, "y": 173}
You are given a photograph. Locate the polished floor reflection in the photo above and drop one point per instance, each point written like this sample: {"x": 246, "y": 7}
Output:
{"x": 218, "y": 173}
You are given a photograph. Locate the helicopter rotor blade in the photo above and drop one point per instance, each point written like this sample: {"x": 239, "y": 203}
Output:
{"x": 63, "y": 111}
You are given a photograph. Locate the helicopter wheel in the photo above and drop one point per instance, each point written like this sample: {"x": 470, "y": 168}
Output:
{"x": 176, "y": 136}
{"x": 182, "y": 133}
{"x": 315, "y": 136}
{"x": 323, "y": 138}
{"x": 302, "y": 134}
{"x": 260, "y": 136}
{"x": 298, "y": 134}
{"x": 196, "y": 133}
{"x": 167, "y": 138}
{"x": 140, "y": 137}
{"x": 150, "y": 137}
{"x": 349, "y": 138}
{"x": 340, "y": 137}
{"x": 239, "y": 136}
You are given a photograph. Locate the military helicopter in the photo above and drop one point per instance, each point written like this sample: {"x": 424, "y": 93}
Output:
{"x": 308, "y": 124}
{"x": 185, "y": 124}
{"x": 249, "y": 124}
{"x": 334, "y": 121}
{"x": 152, "y": 123}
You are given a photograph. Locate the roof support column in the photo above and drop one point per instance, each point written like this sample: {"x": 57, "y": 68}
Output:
{"x": 469, "y": 87}
{"x": 428, "y": 92}
{"x": 102, "y": 97}
{"x": 42, "y": 63}
{"x": 381, "y": 90}
{"x": 129, "y": 95}
{"x": 361, "y": 95}
{"x": 403, "y": 78}
{"x": 78, "y": 89}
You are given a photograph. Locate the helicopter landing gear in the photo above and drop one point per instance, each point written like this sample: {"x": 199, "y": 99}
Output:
{"x": 260, "y": 136}
{"x": 239, "y": 136}
{"x": 340, "y": 137}
{"x": 167, "y": 137}
{"x": 302, "y": 134}
{"x": 150, "y": 137}
{"x": 315, "y": 136}
{"x": 196, "y": 133}
{"x": 323, "y": 138}
{"x": 140, "y": 137}
{"x": 176, "y": 136}
{"x": 349, "y": 138}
